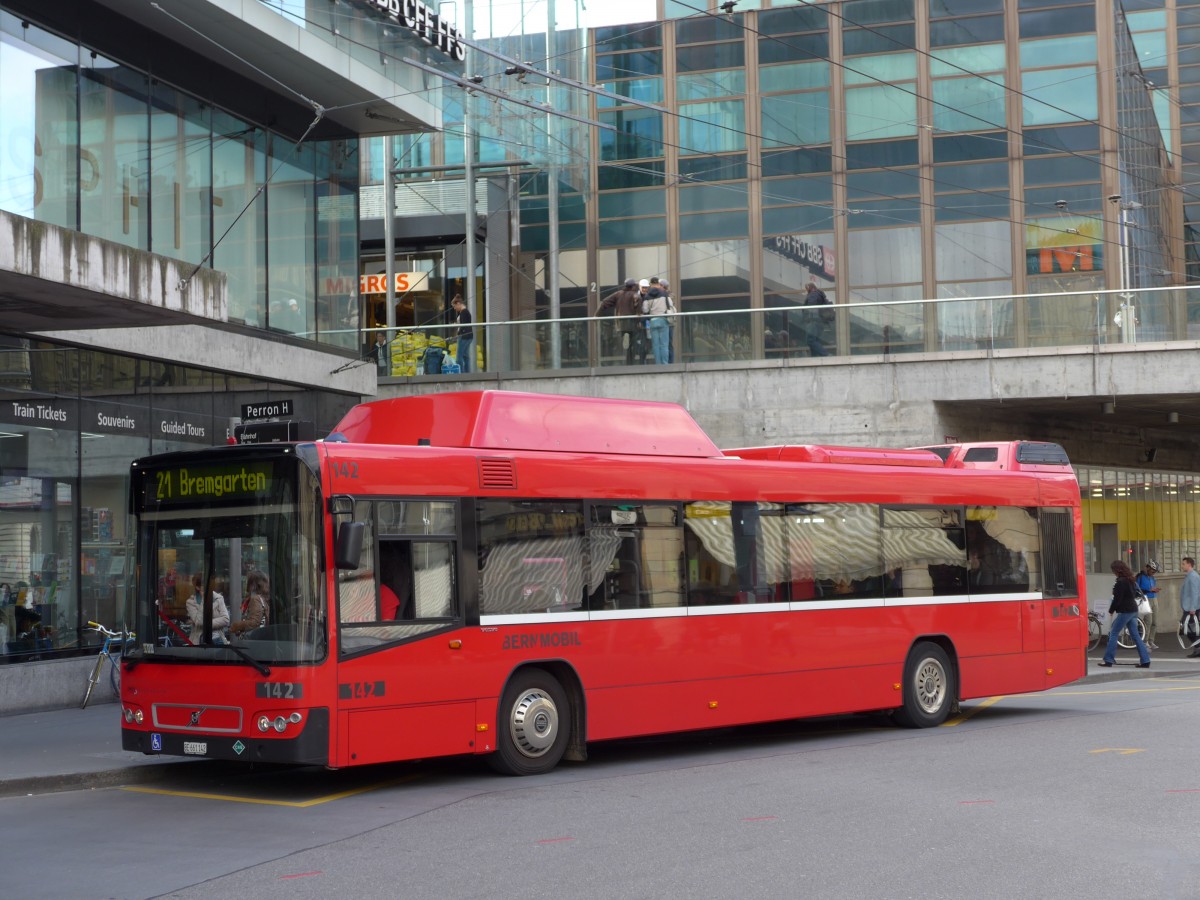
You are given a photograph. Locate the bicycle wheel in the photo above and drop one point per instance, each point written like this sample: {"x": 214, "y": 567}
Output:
{"x": 114, "y": 675}
{"x": 92, "y": 679}
{"x": 1124, "y": 640}
{"x": 1094, "y": 632}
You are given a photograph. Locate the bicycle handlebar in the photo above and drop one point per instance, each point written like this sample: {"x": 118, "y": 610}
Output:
{"x": 96, "y": 626}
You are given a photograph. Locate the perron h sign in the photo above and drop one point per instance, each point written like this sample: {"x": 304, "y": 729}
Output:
{"x": 273, "y": 409}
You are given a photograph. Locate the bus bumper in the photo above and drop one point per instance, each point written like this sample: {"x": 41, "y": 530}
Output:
{"x": 309, "y": 748}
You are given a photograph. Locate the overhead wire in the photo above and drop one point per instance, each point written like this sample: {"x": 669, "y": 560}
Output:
{"x": 834, "y": 211}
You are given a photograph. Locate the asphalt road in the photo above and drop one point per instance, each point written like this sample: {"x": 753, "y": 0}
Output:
{"x": 1092, "y": 789}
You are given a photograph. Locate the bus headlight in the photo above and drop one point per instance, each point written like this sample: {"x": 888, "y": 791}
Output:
{"x": 280, "y": 722}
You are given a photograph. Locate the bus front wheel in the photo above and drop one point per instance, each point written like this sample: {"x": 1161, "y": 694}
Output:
{"x": 929, "y": 689}
{"x": 534, "y": 724}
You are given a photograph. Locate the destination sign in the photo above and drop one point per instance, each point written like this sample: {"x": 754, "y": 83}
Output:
{"x": 197, "y": 484}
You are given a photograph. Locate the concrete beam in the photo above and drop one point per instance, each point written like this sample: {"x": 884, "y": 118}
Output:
{"x": 255, "y": 355}
{"x": 53, "y": 277}
{"x": 1052, "y": 394}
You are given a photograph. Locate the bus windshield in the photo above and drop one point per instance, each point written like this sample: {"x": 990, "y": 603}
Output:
{"x": 230, "y": 554}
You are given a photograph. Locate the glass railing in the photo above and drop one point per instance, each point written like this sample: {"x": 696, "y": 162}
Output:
{"x": 978, "y": 324}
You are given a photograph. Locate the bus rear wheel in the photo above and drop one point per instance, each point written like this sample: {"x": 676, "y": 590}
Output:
{"x": 535, "y": 722}
{"x": 929, "y": 689}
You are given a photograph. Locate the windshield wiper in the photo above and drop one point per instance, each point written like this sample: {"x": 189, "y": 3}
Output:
{"x": 261, "y": 667}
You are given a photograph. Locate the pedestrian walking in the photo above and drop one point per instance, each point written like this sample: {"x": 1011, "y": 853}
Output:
{"x": 1124, "y": 610}
{"x": 1189, "y": 593}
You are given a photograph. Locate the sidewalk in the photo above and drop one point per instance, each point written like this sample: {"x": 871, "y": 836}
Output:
{"x": 1168, "y": 659}
{"x": 64, "y": 749}
{"x": 67, "y": 749}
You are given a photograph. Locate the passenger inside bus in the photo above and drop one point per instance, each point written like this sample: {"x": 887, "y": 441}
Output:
{"x": 395, "y": 581}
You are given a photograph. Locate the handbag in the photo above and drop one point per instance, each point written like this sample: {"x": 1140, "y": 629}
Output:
{"x": 1144, "y": 608}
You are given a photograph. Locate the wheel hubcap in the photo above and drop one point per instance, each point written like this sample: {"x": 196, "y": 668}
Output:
{"x": 534, "y": 723}
{"x": 930, "y": 686}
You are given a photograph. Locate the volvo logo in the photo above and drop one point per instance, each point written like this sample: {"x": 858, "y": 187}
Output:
{"x": 195, "y": 717}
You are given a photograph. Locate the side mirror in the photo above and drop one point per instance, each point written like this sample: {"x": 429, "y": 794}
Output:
{"x": 349, "y": 545}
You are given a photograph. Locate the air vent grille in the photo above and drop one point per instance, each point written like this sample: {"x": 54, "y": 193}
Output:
{"x": 497, "y": 473}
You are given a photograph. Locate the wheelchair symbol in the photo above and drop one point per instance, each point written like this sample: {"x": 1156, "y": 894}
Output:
{"x": 156, "y": 742}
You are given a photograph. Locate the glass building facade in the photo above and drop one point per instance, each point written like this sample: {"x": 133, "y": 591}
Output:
{"x": 109, "y": 129}
{"x": 886, "y": 150}
{"x": 71, "y": 421}
{"x": 100, "y": 146}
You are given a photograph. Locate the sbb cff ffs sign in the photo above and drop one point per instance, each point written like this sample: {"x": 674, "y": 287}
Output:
{"x": 424, "y": 23}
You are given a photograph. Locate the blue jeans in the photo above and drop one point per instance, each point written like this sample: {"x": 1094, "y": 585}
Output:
{"x": 1120, "y": 622}
{"x": 465, "y": 354}
{"x": 660, "y": 334}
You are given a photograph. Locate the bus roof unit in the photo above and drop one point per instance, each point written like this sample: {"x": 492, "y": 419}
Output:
{"x": 1013, "y": 456}
{"x": 510, "y": 420}
{"x": 858, "y": 456}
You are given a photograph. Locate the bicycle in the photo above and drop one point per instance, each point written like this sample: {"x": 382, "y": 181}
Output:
{"x": 110, "y": 650}
{"x": 1188, "y": 631}
{"x": 1095, "y": 631}
{"x": 1125, "y": 642}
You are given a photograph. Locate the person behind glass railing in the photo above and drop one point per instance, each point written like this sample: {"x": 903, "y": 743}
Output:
{"x": 673, "y": 307}
{"x": 656, "y": 309}
{"x": 465, "y": 352}
{"x": 815, "y": 326}
{"x": 626, "y": 306}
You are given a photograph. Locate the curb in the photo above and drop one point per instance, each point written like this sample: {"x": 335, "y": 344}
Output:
{"x": 104, "y": 778}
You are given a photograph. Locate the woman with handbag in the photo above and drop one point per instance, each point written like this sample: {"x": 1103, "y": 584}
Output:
{"x": 1124, "y": 610}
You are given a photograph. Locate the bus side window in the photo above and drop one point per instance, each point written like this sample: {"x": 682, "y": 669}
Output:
{"x": 530, "y": 556}
{"x": 924, "y": 551}
{"x": 634, "y": 556}
{"x": 433, "y": 579}
{"x": 356, "y": 587}
{"x": 1002, "y": 545}
{"x": 713, "y": 551}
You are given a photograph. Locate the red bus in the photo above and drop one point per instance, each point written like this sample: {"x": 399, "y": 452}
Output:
{"x": 516, "y": 575}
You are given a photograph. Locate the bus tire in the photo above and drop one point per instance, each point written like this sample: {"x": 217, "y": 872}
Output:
{"x": 929, "y": 688}
{"x": 534, "y": 724}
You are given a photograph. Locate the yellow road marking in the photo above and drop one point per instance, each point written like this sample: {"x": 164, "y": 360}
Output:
{"x": 1149, "y": 690}
{"x": 1123, "y": 751}
{"x": 294, "y": 804}
{"x": 962, "y": 717}
{"x": 992, "y": 701}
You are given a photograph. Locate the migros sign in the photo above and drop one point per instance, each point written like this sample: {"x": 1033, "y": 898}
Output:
{"x": 424, "y": 23}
